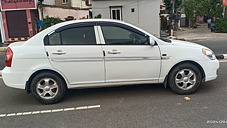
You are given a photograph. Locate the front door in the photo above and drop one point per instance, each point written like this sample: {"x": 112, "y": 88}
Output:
{"x": 73, "y": 51}
{"x": 129, "y": 57}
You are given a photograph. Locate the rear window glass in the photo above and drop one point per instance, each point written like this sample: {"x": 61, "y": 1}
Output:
{"x": 79, "y": 36}
{"x": 54, "y": 39}
{"x": 73, "y": 36}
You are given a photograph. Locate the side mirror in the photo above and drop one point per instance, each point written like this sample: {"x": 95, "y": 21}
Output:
{"x": 152, "y": 41}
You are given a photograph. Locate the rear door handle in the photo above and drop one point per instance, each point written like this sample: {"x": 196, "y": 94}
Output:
{"x": 59, "y": 52}
{"x": 114, "y": 52}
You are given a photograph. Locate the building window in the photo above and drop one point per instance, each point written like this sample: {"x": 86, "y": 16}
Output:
{"x": 116, "y": 13}
{"x": 65, "y": 1}
{"x": 133, "y": 10}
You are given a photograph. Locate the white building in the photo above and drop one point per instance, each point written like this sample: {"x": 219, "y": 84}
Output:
{"x": 82, "y": 4}
{"x": 2, "y": 35}
{"x": 141, "y": 13}
{"x": 49, "y": 2}
{"x": 63, "y": 8}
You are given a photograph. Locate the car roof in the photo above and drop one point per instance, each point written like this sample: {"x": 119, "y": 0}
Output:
{"x": 53, "y": 28}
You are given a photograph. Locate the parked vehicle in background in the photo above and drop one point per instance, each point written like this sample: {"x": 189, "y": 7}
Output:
{"x": 102, "y": 53}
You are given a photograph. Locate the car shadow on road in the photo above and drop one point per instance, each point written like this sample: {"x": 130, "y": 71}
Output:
{"x": 117, "y": 92}
{"x": 100, "y": 95}
{"x": 129, "y": 92}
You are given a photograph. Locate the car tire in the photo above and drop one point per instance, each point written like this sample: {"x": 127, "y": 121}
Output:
{"x": 48, "y": 88}
{"x": 185, "y": 79}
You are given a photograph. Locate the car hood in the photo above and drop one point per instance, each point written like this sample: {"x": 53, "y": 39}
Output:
{"x": 186, "y": 44}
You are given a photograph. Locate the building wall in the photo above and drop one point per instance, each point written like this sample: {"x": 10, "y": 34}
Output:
{"x": 2, "y": 29}
{"x": 145, "y": 15}
{"x": 49, "y": 2}
{"x": 20, "y": 11}
{"x": 79, "y": 4}
{"x": 63, "y": 13}
{"x": 60, "y": 4}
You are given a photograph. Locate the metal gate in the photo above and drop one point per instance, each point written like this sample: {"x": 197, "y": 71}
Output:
{"x": 17, "y": 24}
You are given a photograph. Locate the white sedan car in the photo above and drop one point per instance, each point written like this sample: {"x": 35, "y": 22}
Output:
{"x": 103, "y": 53}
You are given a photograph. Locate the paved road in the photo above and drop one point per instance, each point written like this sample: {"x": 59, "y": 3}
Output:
{"x": 141, "y": 106}
{"x": 218, "y": 46}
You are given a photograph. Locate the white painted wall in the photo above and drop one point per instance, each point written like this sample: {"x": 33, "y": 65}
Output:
{"x": 2, "y": 29}
{"x": 79, "y": 4}
{"x": 162, "y": 2}
{"x": 49, "y": 2}
{"x": 63, "y": 13}
{"x": 146, "y": 15}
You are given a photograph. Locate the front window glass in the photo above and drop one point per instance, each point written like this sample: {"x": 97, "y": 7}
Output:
{"x": 120, "y": 36}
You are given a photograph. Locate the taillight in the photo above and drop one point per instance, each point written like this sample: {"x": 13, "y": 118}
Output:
{"x": 9, "y": 57}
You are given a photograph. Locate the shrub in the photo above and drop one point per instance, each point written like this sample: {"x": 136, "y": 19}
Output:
{"x": 98, "y": 16}
{"x": 49, "y": 21}
{"x": 164, "y": 25}
{"x": 221, "y": 25}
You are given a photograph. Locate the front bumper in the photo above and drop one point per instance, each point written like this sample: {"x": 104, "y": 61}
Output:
{"x": 210, "y": 69}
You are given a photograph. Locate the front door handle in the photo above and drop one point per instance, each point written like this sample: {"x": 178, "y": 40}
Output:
{"x": 59, "y": 52}
{"x": 165, "y": 57}
{"x": 114, "y": 52}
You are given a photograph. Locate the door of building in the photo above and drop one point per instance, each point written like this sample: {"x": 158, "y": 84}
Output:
{"x": 17, "y": 23}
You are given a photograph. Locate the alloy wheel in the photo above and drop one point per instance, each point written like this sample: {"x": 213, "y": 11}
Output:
{"x": 185, "y": 79}
{"x": 47, "y": 88}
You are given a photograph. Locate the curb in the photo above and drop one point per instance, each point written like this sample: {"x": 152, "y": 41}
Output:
{"x": 221, "y": 56}
{"x": 225, "y": 56}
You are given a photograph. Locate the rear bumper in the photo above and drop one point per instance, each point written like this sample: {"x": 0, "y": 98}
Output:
{"x": 14, "y": 79}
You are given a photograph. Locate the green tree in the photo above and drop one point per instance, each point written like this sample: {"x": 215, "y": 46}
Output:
{"x": 190, "y": 8}
{"x": 169, "y": 5}
{"x": 202, "y": 7}
{"x": 216, "y": 9}
{"x": 210, "y": 8}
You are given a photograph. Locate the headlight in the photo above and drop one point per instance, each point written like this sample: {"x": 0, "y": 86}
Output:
{"x": 209, "y": 54}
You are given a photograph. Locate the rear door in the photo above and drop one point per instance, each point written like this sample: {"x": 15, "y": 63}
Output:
{"x": 73, "y": 51}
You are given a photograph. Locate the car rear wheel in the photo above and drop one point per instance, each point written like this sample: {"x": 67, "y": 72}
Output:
{"x": 185, "y": 79}
{"x": 48, "y": 88}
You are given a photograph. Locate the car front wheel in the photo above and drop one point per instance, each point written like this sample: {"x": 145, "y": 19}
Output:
{"x": 184, "y": 79}
{"x": 48, "y": 88}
